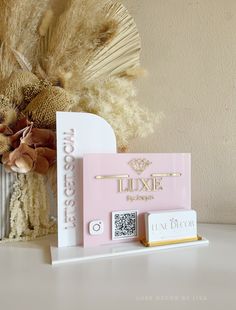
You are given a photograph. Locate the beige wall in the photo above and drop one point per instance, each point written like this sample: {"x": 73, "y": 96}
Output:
{"x": 189, "y": 49}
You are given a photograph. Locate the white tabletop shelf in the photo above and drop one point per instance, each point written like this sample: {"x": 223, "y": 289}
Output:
{"x": 183, "y": 278}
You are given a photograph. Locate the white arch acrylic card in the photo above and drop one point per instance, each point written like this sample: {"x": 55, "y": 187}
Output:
{"x": 77, "y": 134}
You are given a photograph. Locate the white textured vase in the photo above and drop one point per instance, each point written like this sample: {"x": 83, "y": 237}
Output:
{"x": 6, "y": 186}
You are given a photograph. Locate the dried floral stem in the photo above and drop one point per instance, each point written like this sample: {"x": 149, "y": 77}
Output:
{"x": 29, "y": 208}
{"x": 19, "y": 22}
{"x": 70, "y": 37}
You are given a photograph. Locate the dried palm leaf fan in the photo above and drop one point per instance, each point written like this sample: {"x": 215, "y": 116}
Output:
{"x": 121, "y": 53}
{"x": 107, "y": 44}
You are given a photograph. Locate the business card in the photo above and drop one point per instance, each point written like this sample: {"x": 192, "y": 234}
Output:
{"x": 170, "y": 225}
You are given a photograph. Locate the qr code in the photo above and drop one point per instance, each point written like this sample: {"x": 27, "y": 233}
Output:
{"x": 124, "y": 224}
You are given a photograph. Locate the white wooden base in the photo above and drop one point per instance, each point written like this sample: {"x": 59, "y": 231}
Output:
{"x": 79, "y": 254}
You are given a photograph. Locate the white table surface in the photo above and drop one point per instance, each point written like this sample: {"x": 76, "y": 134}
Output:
{"x": 184, "y": 278}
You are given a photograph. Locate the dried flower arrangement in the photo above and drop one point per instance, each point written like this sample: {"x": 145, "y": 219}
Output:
{"x": 85, "y": 59}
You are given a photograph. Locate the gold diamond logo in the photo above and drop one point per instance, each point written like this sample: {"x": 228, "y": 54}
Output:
{"x": 139, "y": 164}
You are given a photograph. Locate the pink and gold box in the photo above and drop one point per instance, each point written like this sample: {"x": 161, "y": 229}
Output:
{"x": 119, "y": 188}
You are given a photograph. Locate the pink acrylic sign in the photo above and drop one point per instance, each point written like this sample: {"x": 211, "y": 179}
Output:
{"x": 119, "y": 188}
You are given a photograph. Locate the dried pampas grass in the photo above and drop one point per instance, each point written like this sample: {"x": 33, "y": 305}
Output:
{"x": 114, "y": 99}
{"x": 19, "y": 37}
{"x": 133, "y": 73}
{"x": 8, "y": 115}
{"x": 69, "y": 40}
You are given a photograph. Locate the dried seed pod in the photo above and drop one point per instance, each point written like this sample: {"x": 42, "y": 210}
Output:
{"x": 12, "y": 87}
{"x": 4, "y": 102}
{"x": 42, "y": 109}
{"x": 32, "y": 90}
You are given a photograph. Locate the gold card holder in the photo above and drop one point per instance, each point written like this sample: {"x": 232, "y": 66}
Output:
{"x": 169, "y": 242}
